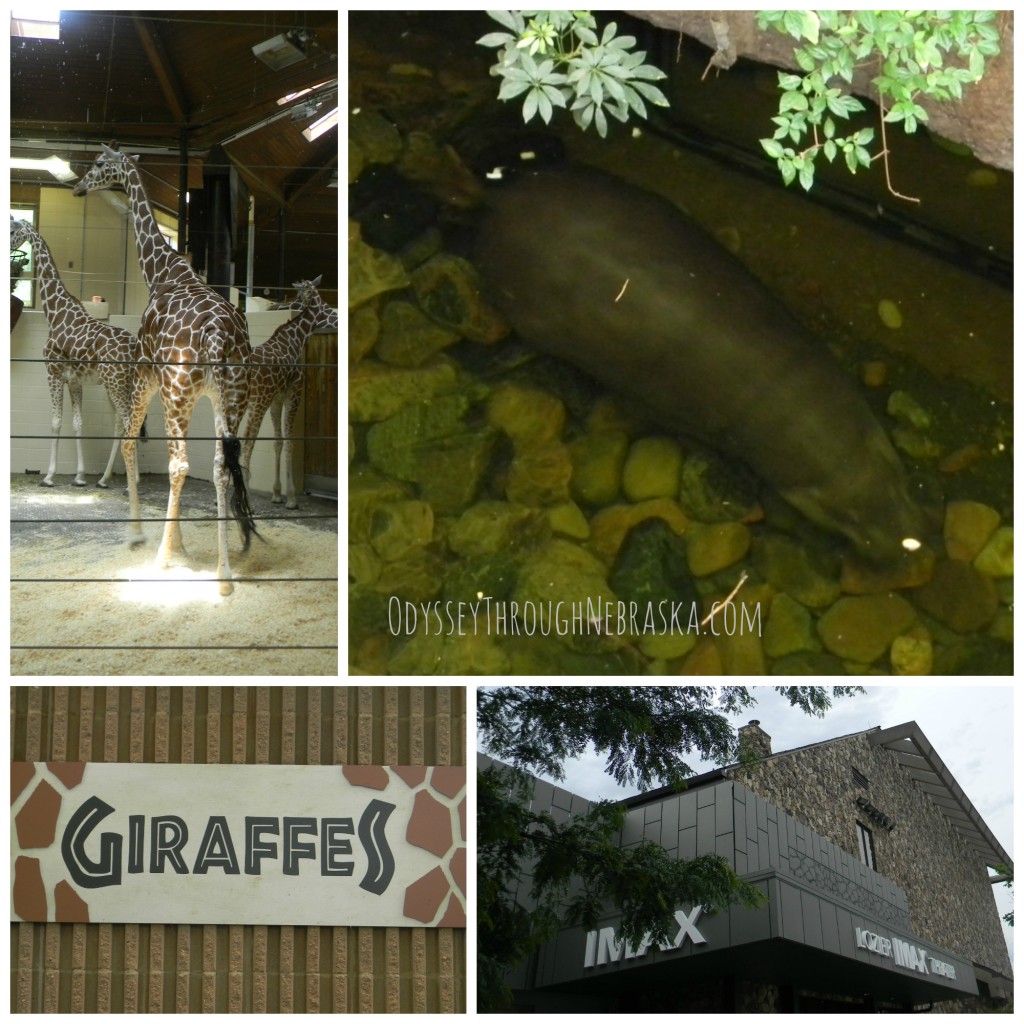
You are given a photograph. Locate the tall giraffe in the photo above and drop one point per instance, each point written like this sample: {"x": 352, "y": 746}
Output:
{"x": 276, "y": 381}
{"x": 80, "y": 349}
{"x": 198, "y": 344}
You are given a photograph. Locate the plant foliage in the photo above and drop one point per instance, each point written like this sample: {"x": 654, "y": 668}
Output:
{"x": 912, "y": 54}
{"x": 557, "y": 59}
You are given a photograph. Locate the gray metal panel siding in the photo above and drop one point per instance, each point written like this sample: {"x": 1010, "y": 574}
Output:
{"x": 791, "y": 911}
{"x": 811, "y": 910}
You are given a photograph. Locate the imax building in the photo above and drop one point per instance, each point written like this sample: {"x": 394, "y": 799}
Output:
{"x": 878, "y": 873}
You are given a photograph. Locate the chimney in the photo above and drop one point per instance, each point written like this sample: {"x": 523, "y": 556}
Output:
{"x": 754, "y": 739}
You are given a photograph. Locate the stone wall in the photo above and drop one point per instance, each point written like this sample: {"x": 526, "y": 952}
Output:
{"x": 950, "y": 898}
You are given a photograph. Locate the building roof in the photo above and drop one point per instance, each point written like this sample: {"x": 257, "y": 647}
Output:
{"x": 918, "y": 758}
{"x": 922, "y": 764}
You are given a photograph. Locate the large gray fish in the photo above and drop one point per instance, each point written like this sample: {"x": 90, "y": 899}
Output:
{"x": 622, "y": 284}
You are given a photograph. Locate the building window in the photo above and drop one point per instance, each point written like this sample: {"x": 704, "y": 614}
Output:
{"x": 867, "y": 846}
{"x": 860, "y": 778}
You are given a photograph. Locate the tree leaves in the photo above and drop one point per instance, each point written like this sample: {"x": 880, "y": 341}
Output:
{"x": 596, "y": 77}
{"x": 915, "y": 53}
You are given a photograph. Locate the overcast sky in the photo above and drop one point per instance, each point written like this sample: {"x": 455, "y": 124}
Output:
{"x": 970, "y": 727}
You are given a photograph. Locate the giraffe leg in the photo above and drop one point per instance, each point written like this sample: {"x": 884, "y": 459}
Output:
{"x": 291, "y": 408}
{"x": 104, "y": 480}
{"x": 75, "y": 387}
{"x": 275, "y": 418}
{"x": 177, "y": 471}
{"x": 253, "y": 421}
{"x": 129, "y": 452}
{"x": 220, "y": 482}
{"x": 56, "y": 414}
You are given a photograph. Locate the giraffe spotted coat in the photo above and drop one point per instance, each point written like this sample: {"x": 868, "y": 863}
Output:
{"x": 276, "y": 379}
{"x": 194, "y": 343}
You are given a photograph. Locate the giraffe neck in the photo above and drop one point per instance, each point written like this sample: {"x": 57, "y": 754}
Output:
{"x": 158, "y": 260}
{"x": 291, "y": 335}
{"x": 54, "y": 295}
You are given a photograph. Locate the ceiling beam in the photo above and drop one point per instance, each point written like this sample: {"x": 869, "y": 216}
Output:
{"x": 163, "y": 69}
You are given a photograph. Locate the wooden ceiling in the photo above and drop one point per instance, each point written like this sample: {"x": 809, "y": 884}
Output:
{"x": 156, "y": 80}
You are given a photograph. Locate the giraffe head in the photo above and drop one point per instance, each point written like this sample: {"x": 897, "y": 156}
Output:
{"x": 21, "y": 232}
{"x": 308, "y": 297}
{"x": 109, "y": 168}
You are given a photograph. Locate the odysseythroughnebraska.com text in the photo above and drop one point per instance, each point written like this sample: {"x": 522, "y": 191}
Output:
{"x": 568, "y": 618}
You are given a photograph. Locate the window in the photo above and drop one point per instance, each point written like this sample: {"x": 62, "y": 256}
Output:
{"x": 867, "y": 846}
{"x": 860, "y": 778}
{"x": 25, "y": 288}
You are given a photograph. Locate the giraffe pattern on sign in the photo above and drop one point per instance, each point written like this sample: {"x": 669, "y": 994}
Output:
{"x": 275, "y": 381}
{"x": 80, "y": 349}
{"x": 197, "y": 344}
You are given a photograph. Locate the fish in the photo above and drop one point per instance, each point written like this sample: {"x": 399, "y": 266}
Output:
{"x": 625, "y": 286}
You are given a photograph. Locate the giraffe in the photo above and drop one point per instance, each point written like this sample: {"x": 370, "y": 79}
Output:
{"x": 197, "y": 344}
{"x": 79, "y": 349}
{"x": 275, "y": 381}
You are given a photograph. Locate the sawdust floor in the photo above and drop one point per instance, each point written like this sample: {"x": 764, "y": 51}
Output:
{"x": 133, "y": 607}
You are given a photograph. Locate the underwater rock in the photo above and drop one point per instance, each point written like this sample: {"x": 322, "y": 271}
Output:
{"x": 377, "y": 392}
{"x": 539, "y": 475}
{"x": 363, "y": 331}
{"x": 861, "y": 629}
{"x": 912, "y": 654}
{"x": 789, "y": 628}
{"x": 370, "y": 271}
{"x": 377, "y": 138}
{"x": 408, "y": 337}
{"x": 652, "y": 469}
{"x": 448, "y": 289}
{"x": 959, "y": 597}
{"x": 492, "y": 526}
{"x": 968, "y": 526}
{"x": 568, "y": 521}
{"x": 996, "y": 557}
{"x": 609, "y": 526}
{"x": 890, "y": 315}
{"x": 650, "y": 567}
{"x": 400, "y": 528}
{"x": 710, "y": 548}
{"x": 527, "y": 415}
{"x": 597, "y": 463}
{"x": 788, "y": 566}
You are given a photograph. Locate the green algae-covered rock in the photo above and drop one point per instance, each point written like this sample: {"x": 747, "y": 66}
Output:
{"x": 861, "y": 629}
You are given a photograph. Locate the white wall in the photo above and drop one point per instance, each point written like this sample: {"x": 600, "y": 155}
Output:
{"x": 30, "y": 414}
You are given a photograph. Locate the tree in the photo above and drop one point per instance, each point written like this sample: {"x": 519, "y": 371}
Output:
{"x": 578, "y": 868}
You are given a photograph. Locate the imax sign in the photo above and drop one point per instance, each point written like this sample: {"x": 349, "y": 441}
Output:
{"x": 904, "y": 954}
{"x": 604, "y": 948}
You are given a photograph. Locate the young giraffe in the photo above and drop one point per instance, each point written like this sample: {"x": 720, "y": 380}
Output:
{"x": 198, "y": 344}
{"x": 79, "y": 349}
{"x": 275, "y": 381}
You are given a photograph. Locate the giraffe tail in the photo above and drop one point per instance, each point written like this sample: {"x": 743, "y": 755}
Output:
{"x": 239, "y": 495}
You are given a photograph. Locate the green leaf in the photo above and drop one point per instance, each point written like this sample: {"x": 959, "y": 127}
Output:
{"x": 807, "y": 176}
{"x": 512, "y": 87}
{"x": 651, "y": 93}
{"x": 772, "y": 148}
{"x": 830, "y": 150}
{"x": 495, "y": 39}
{"x": 508, "y": 19}
{"x": 793, "y": 101}
{"x": 530, "y": 105}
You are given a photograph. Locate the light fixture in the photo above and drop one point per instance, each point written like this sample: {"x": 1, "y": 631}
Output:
{"x": 282, "y": 51}
{"x": 60, "y": 169}
{"x": 324, "y": 124}
{"x": 38, "y": 21}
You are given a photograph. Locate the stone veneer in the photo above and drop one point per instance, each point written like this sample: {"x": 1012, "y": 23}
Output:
{"x": 947, "y": 887}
